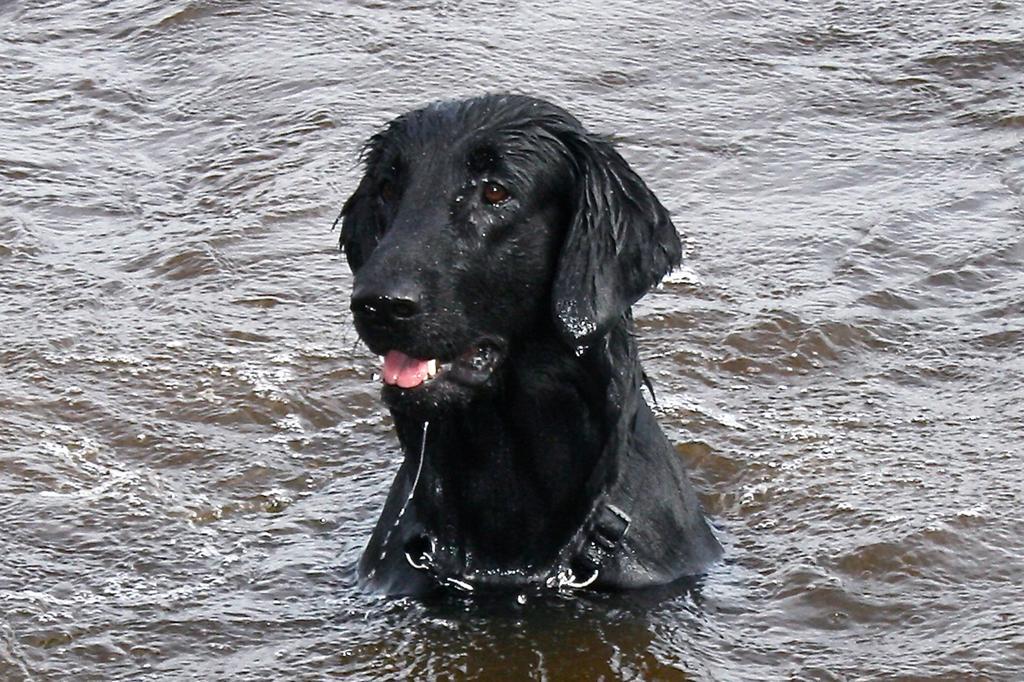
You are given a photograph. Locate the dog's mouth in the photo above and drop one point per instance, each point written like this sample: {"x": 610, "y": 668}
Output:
{"x": 472, "y": 368}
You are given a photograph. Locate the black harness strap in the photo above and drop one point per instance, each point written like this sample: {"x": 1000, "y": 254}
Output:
{"x": 607, "y": 527}
{"x": 603, "y": 540}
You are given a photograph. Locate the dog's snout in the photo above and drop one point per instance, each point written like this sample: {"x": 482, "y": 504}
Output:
{"x": 397, "y": 304}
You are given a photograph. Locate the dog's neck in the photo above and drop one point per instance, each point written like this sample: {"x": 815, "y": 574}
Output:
{"x": 513, "y": 475}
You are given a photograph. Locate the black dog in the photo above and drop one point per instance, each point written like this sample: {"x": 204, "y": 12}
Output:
{"x": 497, "y": 248}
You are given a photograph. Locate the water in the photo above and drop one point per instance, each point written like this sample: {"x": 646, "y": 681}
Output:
{"x": 193, "y": 452}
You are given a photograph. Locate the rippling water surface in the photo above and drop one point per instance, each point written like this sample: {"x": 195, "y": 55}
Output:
{"x": 192, "y": 452}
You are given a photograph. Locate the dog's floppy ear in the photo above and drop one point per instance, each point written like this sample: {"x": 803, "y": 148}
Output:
{"x": 360, "y": 225}
{"x": 620, "y": 243}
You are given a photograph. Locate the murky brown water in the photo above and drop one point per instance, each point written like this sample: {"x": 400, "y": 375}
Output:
{"x": 191, "y": 449}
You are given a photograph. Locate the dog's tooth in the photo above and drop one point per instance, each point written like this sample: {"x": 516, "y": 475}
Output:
{"x": 431, "y": 368}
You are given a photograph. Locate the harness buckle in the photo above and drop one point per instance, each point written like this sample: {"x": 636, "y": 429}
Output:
{"x": 425, "y": 562}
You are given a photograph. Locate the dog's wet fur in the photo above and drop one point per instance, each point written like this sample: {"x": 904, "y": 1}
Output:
{"x": 497, "y": 248}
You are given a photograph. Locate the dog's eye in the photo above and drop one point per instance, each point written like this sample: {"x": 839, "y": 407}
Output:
{"x": 494, "y": 193}
{"x": 386, "y": 191}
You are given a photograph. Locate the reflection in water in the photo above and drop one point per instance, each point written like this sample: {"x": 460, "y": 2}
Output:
{"x": 193, "y": 449}
{"x": 602, "y": 636}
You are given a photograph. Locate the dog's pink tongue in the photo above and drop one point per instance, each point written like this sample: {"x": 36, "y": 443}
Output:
{"x": 403, "y": 371}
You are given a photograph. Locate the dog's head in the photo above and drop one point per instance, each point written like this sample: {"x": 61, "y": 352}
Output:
{"x": 484, "y": 222}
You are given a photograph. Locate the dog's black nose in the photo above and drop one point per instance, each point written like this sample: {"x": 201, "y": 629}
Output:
{"x": 395, "y": 305}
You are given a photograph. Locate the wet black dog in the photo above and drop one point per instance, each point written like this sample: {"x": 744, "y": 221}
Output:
{"x": 497, "y": 248}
